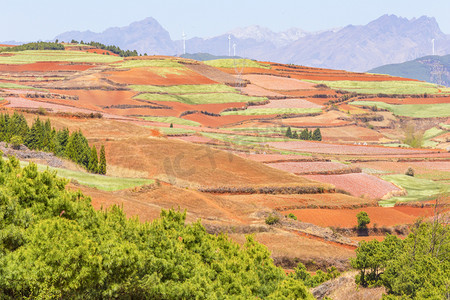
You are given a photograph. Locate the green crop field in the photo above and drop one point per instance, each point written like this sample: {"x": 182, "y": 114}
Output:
{"x": 417, "y": 188}
{"x": 184, "y": 89}
{"x": 241, "y": 139}
{"x": 101, "y": 182}
{"x": 173, "y": 120}
{"x": 200, "y": 98}
{"x": 32, "y": 56}
{"x": 260, "y": 130}
{"x": 411, "y": 110}
{"x": 173, "y": 131}
{"x": 7, "y": 85}
{"x": 236, "y": 63}
{"x": 273, "y": 111}
{"x": 141, "y": 63}
{"x": 384, "y": 87}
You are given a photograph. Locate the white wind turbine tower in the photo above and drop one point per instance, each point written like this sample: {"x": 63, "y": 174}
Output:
{"x": 234, "y": 49}
{"x": 432, "y": 42}
{"x": 229, "y": 45}
{"x": 184, "y": 43}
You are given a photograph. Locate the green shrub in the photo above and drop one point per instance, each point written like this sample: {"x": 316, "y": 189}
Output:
{"x": 16, "y": 141}
{"x": 272, "y": 219}
{"x": 363, "y": 219}
{"x": 410, "y": 172}
{"x": 292, "y": 216}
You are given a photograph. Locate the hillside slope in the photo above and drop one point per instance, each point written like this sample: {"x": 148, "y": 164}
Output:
{"x": 435, "y": 69}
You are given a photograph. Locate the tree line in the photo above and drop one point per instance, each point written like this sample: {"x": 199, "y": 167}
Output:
{"x": 43, "y": 137}
{"x": 54, "y": 245}
{"x": 305, "y": 134}
{"x": 34, "y": 46}
{"x": 113, "y": 49}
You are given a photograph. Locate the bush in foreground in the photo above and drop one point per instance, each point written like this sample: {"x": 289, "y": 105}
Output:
{"x": 53, "y": 244}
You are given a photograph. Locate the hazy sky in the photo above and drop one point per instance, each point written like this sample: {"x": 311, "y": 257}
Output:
{"x": 30, "y": 20}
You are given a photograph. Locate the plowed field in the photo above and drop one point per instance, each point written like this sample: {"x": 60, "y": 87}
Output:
{"x": 288, "y": 103}
{"x": 153, "y": 76}
{"x": 358, "y": 184}
{"x": 308, "y": 167}
{"x": 278, "y": 83}
{"x": 45, "y": 67}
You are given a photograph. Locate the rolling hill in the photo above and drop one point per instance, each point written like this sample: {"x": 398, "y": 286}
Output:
{"x": 435, "y": 69}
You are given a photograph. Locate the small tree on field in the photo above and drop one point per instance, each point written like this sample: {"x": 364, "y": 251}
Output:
{"x": 317, "y": 135}
{"x": 410, "y": 172}
{"x": 289, "y": 132}
{"x": 295, "y": 135}
{"x": 363, "y": 219}
{"x": 93, "y": 161}
{"x": 304, "y": 135}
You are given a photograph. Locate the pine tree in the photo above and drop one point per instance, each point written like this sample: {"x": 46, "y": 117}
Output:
{"x": 61, "y": 139}
{"x": 289, "y": 132}
{"x": 317, "y": 135}
{"x": 295, "y": 135}
{"x": 34, "y": 138}
{"x": 304, "y": 135}
{"x": 102, "y": 163}
{"x": 93, "y": 161}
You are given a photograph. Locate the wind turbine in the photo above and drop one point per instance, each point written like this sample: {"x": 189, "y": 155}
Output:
{"x": 184, "y": 43}
{"x": 432, "y": 42}
{"x": 234, "y": 49}
{"x": 229, "y": 45}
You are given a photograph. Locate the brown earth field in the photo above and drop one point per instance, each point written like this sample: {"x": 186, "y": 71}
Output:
{"x": 381, "y": 216}
{"x": 45, "y": 67}
{"x": 149, "y": 76}
{"x": 278, "y": 83}
{"x": 350, "y": 133}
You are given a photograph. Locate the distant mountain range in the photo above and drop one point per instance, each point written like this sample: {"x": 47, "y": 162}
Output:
{"x": 386, "y": 40}
{"x": 431, "y": 68}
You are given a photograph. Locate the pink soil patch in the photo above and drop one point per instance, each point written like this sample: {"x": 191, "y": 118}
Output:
{"x": 288, "y": 103}
{"x": 278, "y": 83}
{"x": 101, "y": 51}
{"x": 266, "y": 158}
{"x": 432, "y": 165}
{"x": 194, "y": 139}
{"x": 358, "y": 184}
{"x": 308, "y": 167}
{"x": 254, "y": 90}
{"x": 327, "y": 148}
{"x": 101, "y": 98}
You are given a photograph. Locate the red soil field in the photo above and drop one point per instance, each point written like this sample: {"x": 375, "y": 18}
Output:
{"x": 358, "y": 184}
{"x": 288, "y": 103}
{"x": 327, "y": 148}
{"x": 307, "y": 167}
{"x": 101, "y": 51}
{"x": 428, "y": 100}
{"x": 382, "y": 216}
{"x": 45, "y": 67}
{"x": 350, "y": 133}
{"x": 25, "y": 103}
{"x": 278, "y": 83}
{"x": 146, "y": 76}
{"x": 100, "y": 98}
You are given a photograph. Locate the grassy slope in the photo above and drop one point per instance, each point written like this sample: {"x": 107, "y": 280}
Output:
{"x": 101, "y": 182}
{"x": 384, "y": 87}
{"x": 184, "y": 89}
{"x": 7, "y": 85}
{"x": 200, "y": 98}
{"x": 32, "y": 56}
{"x": 159, "y": 63}
{"x": 236, "y": 63}
{"x": 411, "y": 110}
{"x": 418, "y": 189}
